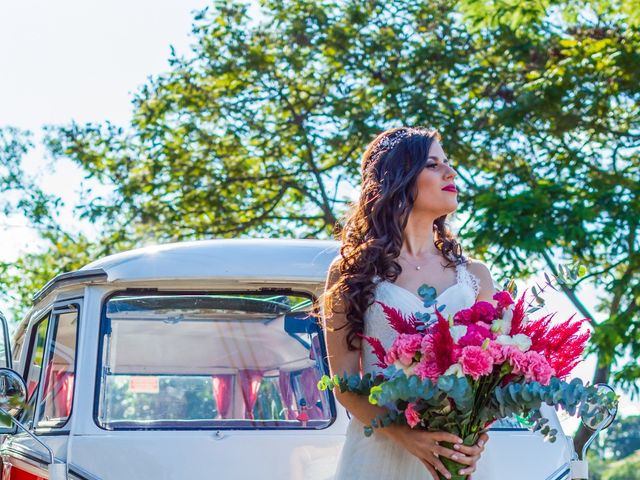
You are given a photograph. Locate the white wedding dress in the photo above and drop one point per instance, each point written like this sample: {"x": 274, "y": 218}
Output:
{"x": 378, "y": 456}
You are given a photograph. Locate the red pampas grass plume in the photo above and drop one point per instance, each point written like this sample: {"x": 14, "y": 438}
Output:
{"x": 518, "y": 316}
{"x": 399, "y": 322}
{"x": 377, "y": 349}
{"x": 444, "y": 348}
{"x": 561, "y": 344}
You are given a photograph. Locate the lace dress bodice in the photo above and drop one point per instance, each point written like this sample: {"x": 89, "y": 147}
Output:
{"x": 458, "y": 296}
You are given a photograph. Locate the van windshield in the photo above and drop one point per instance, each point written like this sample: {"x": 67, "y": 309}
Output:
{"x": 211, "y": 361}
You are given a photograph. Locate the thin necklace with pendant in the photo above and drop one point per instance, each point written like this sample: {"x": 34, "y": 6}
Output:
{"x": 417, "y": 267}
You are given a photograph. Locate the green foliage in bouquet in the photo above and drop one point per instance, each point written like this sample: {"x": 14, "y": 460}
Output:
{"x": 468, "y": 417}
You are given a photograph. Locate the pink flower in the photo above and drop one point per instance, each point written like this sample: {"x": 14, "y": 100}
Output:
{"x": 413, "y": 418}
{"x": 476, "y": 335}
{"x": 390, "y": 357}
{"x": 503, "y": 298}
{"x": 517, "y": 359}
{"x": 427, "y": 368}
{"x": 538, "y": 368}
{"x": 426, "y": 344}
{"x": 476, "y": 361}
{"x": 497, "y": 352}
{"x": 405, "y": 347}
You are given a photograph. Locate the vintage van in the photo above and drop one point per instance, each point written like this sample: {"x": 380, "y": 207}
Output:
{"x": 194, "y": 360}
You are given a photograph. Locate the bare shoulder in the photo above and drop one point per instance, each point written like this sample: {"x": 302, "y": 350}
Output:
{"x": 333, "y": 275}
{"x": 334, "y": 271}
{"x": 479, "y": 269}
{"x": 486, "y": 283}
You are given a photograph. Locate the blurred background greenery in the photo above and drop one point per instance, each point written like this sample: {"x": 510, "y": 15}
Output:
{"x": 259, "y": 128}
{"x": 616, "y": 455}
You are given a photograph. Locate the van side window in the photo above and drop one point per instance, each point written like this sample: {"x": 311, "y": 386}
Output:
{"x": 34, "y": 365}
{"x": 56, "y": 400}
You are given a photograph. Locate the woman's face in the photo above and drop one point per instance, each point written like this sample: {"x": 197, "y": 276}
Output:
{"x": 436, "y": 175}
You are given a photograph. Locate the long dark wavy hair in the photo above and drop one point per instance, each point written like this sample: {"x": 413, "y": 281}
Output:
{"x": 373, "y": 232}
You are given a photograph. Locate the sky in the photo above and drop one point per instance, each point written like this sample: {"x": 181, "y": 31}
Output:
{"x": 81, "y": 60}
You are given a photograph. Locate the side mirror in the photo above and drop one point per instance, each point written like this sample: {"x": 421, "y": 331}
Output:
{"x": 606, "y": 415}
{"x": 13, "y": 392}
{"x": 603, "y": 419}
{"x": 5, "y": 344}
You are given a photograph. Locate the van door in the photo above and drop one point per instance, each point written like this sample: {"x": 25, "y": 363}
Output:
{"x": 49, "y": 372}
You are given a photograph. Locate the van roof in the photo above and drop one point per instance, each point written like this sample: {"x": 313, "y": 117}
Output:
{"x": 247, "y": 259}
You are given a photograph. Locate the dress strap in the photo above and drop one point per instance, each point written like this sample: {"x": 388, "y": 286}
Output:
{"x": 465, "y": 277}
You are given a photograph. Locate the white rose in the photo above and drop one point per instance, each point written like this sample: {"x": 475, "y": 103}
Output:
{"x": 502, "y": 326}
{"x": 498, "y": 326}
{"x": 458, "y": 331}
{"x": 455, "y": 369}
{"x": 522, "y": 341}
{"x": 504, "y": 339}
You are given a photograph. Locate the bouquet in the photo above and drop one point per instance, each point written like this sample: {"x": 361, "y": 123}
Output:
{"x": 484, "y": 363}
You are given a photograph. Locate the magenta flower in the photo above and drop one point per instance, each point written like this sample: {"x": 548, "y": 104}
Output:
{"x": 466, "y": 316}
{"x": 480, "y": 312}
{"x": 484, "y": 311}
{"x": 504, "y": 299}
{"x": 476, "y": 335}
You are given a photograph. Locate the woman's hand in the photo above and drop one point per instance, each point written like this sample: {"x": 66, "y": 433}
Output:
{"x": 424, "y": 445}
{"x": 473, "y": 452}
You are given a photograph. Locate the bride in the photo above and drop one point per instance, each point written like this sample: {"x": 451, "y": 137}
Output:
{"x": 394, "y": 241}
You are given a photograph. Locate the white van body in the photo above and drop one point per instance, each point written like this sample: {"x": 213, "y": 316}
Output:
{"x": 226, "y": 448}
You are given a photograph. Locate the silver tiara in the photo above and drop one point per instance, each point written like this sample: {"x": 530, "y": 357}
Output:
{"x": 390, "y": 141}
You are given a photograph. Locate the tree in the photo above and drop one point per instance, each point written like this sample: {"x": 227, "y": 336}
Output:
{"x": 626, "y": 469}
{"x": 622, "y": 438}
{"x": 20, "y": 193}
{"x": 259, "y": 131}
{"x": 62, "y": 250}
{"x": 563, "y": 124}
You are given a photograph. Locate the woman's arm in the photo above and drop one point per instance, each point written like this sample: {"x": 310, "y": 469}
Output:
{"x": 422, "y": 444}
